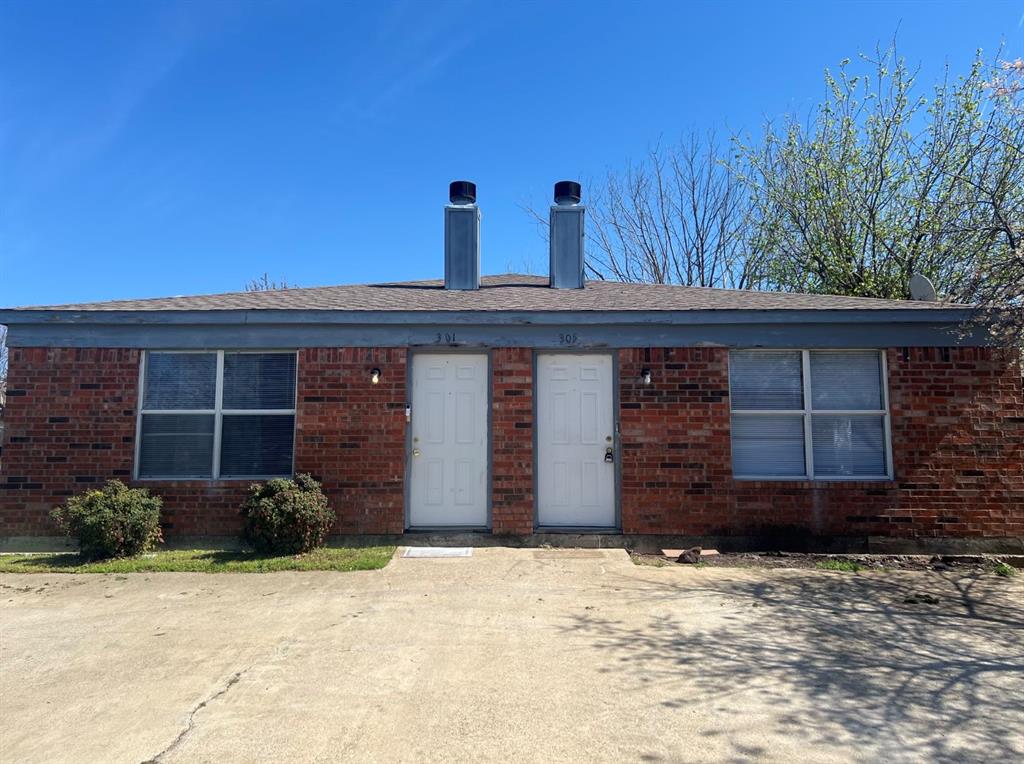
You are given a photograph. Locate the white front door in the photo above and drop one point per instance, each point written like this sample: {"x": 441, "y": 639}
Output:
{"x": 448, "y": 474}
{"x": 575, "y": 441}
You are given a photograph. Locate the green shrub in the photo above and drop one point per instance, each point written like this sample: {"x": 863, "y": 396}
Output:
{"x": 287, "y": 516}
{"x": 1004, "y": 570}
{"x": 114, "y": 521}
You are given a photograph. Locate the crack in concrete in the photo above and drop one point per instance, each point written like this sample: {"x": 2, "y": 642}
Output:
{"x": 280, "y": 651}
{"x": 190, "y": 719}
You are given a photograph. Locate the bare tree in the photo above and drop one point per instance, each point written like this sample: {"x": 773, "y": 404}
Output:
{"x": 265, "y": 284}
{"x": 679, "y": 216}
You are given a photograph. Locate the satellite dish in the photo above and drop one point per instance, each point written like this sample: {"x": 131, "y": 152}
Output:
{"x": 922, "y": 288}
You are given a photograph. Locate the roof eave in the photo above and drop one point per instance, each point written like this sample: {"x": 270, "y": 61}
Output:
{"x": 951, "y": 315}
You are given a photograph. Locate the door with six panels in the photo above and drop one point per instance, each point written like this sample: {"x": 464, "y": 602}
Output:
{"x": 448, "y": 445}
{"x": 575, "y": 459}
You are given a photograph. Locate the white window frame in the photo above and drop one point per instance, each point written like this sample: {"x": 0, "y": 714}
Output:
{"x": 218, "y": 413}
{"x": 807, "y": 412}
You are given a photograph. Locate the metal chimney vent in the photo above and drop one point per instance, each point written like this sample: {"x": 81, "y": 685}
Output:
{"x": 566, "y": 237}
{"x": 462, "y": 237}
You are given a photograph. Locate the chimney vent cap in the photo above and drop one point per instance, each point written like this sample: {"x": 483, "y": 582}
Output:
{"x": 462, "y": 192}
{"x": 568, "y": 192}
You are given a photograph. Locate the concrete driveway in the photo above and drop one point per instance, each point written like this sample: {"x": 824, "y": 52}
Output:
{"x": 511, "y": 655}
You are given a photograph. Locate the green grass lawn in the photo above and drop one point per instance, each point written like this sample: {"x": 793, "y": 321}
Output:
{"x": 844, "y": 566}
{"x": 203, "y": 561}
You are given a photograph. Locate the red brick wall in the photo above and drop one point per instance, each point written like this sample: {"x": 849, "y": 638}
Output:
{"x": 69, "y": 424}
{"x": 512, "y": 448}
{"x": 958, "y": 446}
{"x": 674, "y": 436}
{"x": 958, "y": 452}
{"x": 958, "y": 432}
{"x": 350, "y": 434}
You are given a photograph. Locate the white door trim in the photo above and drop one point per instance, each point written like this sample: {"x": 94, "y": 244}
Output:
{"x": 485, "y": 516}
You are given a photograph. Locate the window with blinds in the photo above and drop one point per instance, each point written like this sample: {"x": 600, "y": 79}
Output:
{"x": 217, "y": 414}
{"x": 820, "y": 414}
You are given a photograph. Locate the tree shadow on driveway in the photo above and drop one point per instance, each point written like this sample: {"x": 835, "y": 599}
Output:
{"x": 843, "y": 662}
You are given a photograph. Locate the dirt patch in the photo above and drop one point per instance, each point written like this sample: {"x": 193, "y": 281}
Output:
{"x": 839, "y": 562}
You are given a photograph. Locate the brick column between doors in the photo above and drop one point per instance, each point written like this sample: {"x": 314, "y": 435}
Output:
{"x": 512, "y": 447}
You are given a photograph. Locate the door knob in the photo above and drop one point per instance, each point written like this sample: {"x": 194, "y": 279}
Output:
{"x": 415, "y": 452}
{"x": 609, "y": 455}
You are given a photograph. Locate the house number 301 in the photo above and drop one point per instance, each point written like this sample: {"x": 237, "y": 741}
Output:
{"x": 567, "y": 339}
{"x": 445, "y": 337}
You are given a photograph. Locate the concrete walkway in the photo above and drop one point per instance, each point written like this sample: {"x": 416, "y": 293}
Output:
{"x": 511, "y": 655}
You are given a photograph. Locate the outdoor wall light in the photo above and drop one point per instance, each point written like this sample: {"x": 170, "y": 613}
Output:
{"x": 645, "y": 376}
{"x": 374, "y": 376}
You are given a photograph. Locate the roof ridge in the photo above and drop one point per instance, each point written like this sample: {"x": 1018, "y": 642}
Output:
{"x": 508, "y": 292}
{"x": 279, "y": 290}
{"x": 779, "y": 292}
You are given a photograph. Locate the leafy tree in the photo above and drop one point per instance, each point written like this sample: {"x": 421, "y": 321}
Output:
{"x": 883, "y": 182}
{"x": 997, "y": 285}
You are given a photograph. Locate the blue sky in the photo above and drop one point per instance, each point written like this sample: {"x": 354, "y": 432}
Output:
{"x": 155, "y": 148}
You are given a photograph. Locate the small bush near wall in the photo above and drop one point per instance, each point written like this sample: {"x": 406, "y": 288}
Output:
{"x": 287, "y": 516}
{"x": 115, "y": 521}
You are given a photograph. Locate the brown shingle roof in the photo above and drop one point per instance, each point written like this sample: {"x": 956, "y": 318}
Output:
{"x": 507, "y": 292}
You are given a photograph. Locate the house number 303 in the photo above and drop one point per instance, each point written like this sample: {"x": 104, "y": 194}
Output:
{"x": 567, "y": 338}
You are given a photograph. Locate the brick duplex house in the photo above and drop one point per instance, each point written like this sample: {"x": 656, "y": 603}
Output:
{"x": 519, "y": 404}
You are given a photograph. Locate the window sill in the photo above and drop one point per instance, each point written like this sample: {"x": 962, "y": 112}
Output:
{"x": 806, "y": 482}
{"x": 209, "y": 481}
